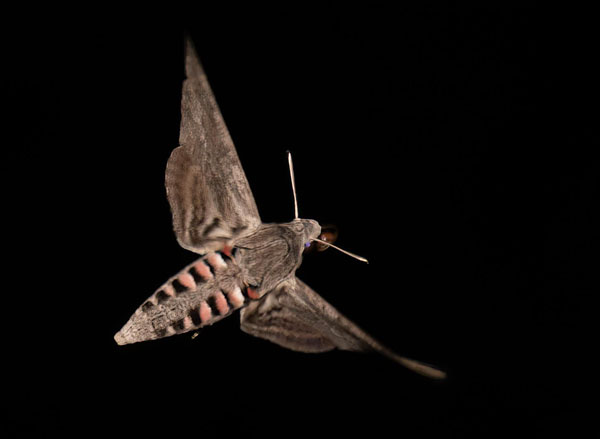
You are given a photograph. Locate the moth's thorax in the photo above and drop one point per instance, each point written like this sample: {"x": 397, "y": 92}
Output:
{"x": 274, "y": 252}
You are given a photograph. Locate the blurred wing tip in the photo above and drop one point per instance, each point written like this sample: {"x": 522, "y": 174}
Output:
{"x": 422, "y": 368}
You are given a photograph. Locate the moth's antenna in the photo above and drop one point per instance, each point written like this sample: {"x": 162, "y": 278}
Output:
{"x": 293, "y": 184}
{"x": 360, "y": 258}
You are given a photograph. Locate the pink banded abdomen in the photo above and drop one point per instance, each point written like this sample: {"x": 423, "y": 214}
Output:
{"x": 201, "y": 294}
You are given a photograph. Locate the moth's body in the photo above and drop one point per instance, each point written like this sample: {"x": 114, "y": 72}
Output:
{"x": 221, "y": 282}
{"x": 244, "y": 264}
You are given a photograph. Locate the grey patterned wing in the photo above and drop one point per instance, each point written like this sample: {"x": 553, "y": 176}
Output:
{"x": 210, "y": 198}
{"x": 273, "y": 319}
{"x": 296, "y": 317}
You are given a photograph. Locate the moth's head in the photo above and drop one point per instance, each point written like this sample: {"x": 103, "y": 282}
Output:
{"x": 328, "y": 234}
{"x": 310, "y": 229}
{"x": 314, "y": 236}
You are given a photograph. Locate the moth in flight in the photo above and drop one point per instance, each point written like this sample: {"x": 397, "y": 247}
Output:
{"x": 244, "y": 264}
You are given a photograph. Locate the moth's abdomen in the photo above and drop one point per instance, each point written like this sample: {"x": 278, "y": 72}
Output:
{"x": 201, "y": 294}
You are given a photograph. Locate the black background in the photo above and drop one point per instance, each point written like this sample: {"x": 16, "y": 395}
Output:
{"x": 447, "y": 144}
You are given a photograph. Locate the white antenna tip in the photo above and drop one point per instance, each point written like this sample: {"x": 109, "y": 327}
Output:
{"x": 293, "y": 184}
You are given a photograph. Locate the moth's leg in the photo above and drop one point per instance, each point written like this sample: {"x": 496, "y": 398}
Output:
{"x": 228, "y": 249}
{"x": 251, "y": 291}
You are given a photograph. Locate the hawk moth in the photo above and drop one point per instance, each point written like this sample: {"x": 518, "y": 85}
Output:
{"x": 245, "y": 264}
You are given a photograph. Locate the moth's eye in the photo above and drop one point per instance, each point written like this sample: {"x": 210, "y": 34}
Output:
{"x": 329, "y": 233}
{"x": 308, "y": 247}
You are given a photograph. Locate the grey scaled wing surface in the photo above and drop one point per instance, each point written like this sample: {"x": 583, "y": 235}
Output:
{"x": 296, "y": 317}
{"x": 210, "y": 198}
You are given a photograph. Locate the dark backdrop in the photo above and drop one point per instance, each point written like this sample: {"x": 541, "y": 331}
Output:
{"x": 445, "y": 143}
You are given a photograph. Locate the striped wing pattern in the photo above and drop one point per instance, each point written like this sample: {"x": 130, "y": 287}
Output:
{"x": 210, "y": 198}
{"x": 296, "y": 317}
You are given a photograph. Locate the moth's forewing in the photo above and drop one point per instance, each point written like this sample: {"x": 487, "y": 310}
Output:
{"x": 271, "y": 320}
{"x": 294, "y": 316}
{"x": 210, "y": 198}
